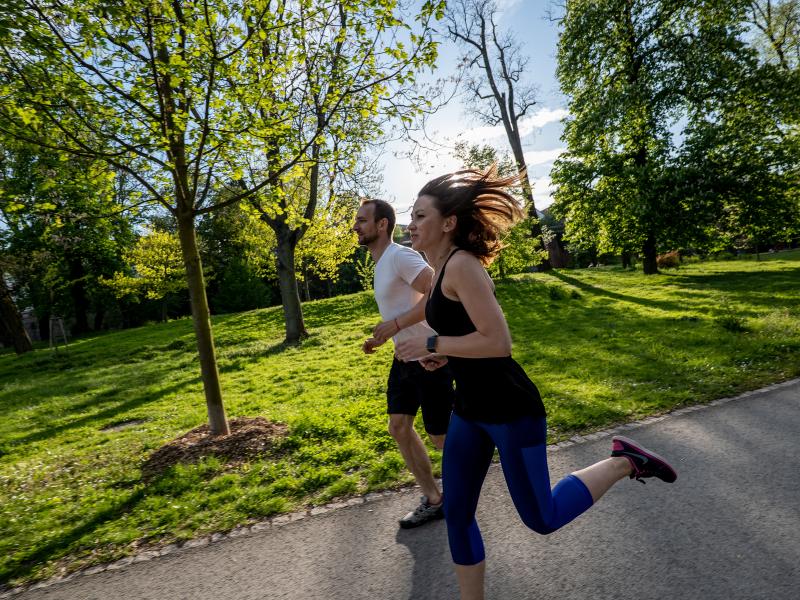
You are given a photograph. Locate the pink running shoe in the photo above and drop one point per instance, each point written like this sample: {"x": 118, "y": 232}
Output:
{"x": 645, "y": 463}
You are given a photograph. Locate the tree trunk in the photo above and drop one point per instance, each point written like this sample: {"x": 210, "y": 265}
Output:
{"x": 99, "y": 319}
{"x": 201, "y": 316}
{"x": 164, "y": 307}
{"x": 527, "y": 192}
{"x": 12, "y": 330}
{"x": 78, "y": 293}
{"x": 305, "y": 283}
{"x": 650, "y": 262}
{"x": 328, "y": 287}
{"x": 505, "y": 105}
{"x": 292, "y": 309}
{"x": 626, "y": 259}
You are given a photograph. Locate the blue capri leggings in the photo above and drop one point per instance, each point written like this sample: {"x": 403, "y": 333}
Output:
{"x": 468, "y": 451}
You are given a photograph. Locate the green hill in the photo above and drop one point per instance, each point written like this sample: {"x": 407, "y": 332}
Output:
{"x": 603, "y": 346}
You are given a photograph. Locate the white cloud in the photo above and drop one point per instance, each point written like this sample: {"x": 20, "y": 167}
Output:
{"x": 543, "y": 117}
{"x": 541, "y": 192}
{"x": 505, "y": 5}
{"x": 542, "y": 156}
{"x": 526, "y": 126}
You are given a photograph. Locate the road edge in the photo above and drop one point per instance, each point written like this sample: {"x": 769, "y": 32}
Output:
{"x": 281, "y": 520}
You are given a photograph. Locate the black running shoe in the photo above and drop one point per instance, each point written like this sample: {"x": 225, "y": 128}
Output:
{"x": 422, "y": 514}
{"x": 645, "y": 463}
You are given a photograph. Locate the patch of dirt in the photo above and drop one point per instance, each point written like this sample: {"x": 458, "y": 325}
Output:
{"x": 121, "y": 426}
{"x": 250, "y": 438}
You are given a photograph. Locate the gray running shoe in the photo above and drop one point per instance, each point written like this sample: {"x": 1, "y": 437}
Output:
{"x": 422, "y": 514}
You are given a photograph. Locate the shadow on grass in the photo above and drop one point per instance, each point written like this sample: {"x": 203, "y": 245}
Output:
{"x": 36, "y": 555}
{"x": 742, "y": 281}
{"x": 598, "y": 291}
{"x": 104, "y": 416}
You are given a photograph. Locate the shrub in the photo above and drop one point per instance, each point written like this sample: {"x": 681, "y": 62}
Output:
{"x": 729, "y": 319}
{"x": 732, "y": 323}
{"x": 690, "y": 260}
{"x": 556, "y": 292}
{"x": 670, "y": 260}
{"x": 723, "y": 256}
{"x": 240, "y": 290}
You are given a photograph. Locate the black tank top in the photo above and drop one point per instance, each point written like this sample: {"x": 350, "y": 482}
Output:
{"x": 489, "y": 390}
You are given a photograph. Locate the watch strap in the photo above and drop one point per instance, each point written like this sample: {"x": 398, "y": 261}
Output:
{"x": 431, "y": 345}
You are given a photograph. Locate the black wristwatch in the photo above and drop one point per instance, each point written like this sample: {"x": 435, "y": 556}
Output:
{"x": 431, "y": 345}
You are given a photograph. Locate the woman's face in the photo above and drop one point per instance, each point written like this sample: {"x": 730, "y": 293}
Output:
{"x": 428, "y": 228}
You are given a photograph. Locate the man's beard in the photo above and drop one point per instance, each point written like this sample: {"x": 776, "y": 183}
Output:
{"x": 367, "y": 239}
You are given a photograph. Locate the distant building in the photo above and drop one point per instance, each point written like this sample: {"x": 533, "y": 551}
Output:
{"x": 31, "y": 324}
{"x": 558, "y": 255}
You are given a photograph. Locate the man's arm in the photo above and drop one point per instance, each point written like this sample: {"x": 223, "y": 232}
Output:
{"x": 422, "y": 283}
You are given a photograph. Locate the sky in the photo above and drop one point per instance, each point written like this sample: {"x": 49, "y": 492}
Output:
{"x": 542, "y": 129}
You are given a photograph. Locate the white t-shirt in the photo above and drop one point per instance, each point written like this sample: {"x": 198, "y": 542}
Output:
{"x": 396, "y": 270}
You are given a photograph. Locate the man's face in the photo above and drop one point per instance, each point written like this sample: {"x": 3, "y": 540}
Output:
{"x": 365, "y": 226}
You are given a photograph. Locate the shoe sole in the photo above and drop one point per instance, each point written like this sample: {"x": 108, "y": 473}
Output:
{"x": 639, "y": 448}
{"x": 409, "y": 525}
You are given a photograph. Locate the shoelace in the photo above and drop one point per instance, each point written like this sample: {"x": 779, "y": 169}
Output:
{"x": 421, "y": 510}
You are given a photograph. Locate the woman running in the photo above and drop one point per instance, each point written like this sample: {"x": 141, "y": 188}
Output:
{"x": 496, "y": 404}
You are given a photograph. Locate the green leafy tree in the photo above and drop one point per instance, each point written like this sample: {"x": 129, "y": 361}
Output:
{"x": 365, "y": 267}
{"x": 181, "y": 96}
{"x": 240, "y": 289}
{"x": 329, "y": 240}
{"x": 742, "y": 150}
{"x": 157, "y": 264}
{"x": 496, "y": 92}
{"x": 631, "y": 69}
{"x": 359, "y": 69}
{"x": 237, "y": 233}
{"x": 777, "y": 31}
{"x": 60, "y": 230}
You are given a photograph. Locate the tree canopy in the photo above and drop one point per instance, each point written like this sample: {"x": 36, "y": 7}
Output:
{"x": 191, "y": 100}
{"x": 634, "y": 72}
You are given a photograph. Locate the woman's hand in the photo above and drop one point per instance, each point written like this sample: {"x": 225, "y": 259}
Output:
{"x": 433, "y": 361}
{"x": 411, "y": 348}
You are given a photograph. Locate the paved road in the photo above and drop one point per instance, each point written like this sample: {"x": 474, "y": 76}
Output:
{"x": 728, "y": 529}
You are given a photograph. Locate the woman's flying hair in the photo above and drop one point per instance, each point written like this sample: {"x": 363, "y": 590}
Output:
{"x": 482, "y": 207}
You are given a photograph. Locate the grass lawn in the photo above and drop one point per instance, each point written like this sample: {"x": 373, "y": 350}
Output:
{"x": 603, "y": 346}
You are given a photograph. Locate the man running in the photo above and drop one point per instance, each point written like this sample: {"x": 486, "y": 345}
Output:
{"x": 402, "y": 277}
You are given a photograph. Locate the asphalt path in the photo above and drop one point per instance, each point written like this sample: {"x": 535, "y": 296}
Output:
{"x": 729, "y": 528}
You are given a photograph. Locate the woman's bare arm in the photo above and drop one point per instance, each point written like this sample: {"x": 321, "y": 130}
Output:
{"x": 466, "y": 280}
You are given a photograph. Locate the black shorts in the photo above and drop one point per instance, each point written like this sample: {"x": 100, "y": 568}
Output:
{"x": 411, "y": 386}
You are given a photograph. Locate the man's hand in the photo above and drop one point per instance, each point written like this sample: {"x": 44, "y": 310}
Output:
{"x": 370, "y": 344}
{"x": 411, "y": 348}
{"x": 433, "y": 361}
{"x": 384, "y": 330}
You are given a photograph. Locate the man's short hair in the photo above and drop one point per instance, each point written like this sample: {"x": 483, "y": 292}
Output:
{"x": 383, "y": 210}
